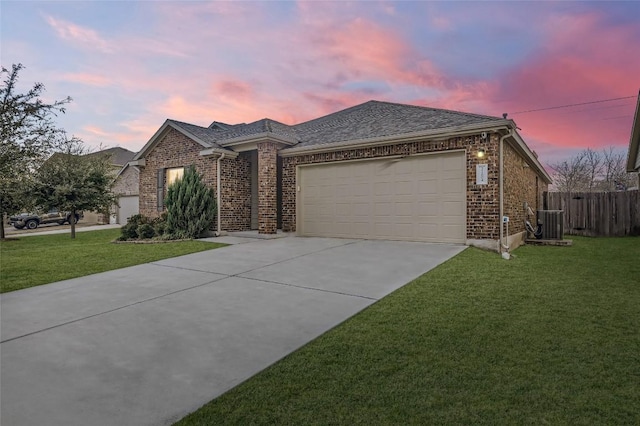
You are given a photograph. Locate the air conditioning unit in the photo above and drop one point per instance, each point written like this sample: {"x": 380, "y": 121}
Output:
{"x": 552, "y": 222}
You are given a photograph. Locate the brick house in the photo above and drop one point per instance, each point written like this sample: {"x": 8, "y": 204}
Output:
{"x": 126, "y": 186}
{"x": 377, "y": 170}
{"x": 119, "y": 159}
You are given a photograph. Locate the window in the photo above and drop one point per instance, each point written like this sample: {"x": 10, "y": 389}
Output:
{"x": 165, "y": 178}
{"x": 174, "y": 174}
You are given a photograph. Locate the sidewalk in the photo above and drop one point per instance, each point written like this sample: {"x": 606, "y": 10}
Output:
{"x": 56, "y": 229}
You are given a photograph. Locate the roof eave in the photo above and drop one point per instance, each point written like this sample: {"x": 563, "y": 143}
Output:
{"x": 259, "y": 137}
{"x": 633, "y": 159}
{"x": 522, "y": 147}
{"x": 218, "y": 151}
{"x": 440, "y": 133}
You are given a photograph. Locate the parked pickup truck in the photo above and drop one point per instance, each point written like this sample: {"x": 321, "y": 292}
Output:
{"x": 33, "y": 220}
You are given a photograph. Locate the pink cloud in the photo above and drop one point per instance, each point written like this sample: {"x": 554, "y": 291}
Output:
{"x": 85, "y": 37}
{"x": 233, "y": 89}
{"x": 87, "y": 79}
{"x": 364, "y": 49}
{"x": 582, "y": 62}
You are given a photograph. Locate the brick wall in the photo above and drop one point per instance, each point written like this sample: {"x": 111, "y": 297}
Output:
{"x": 483, "y": 208}
{"x": 519, "y": 187}
{"x": 177, "y": 150}
{"x": 235, "y": 188}
{"x": 173, "y": 150}
{"x": 128, "y": 182}
{"x": 267, "y": 190}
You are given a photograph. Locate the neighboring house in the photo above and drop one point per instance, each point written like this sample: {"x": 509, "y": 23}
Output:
{"x": 120, "y": 158}
{"x": 126, "y": 186}
{"x": 377, "y": 170}
{"x": 633, "y": 159}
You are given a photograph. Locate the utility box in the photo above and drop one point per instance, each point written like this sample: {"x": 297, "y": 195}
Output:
{"x": 552, "y": 222}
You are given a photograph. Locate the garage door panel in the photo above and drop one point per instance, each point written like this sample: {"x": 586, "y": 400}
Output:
{"x": 383, "y": 209}
{"x": 129, "y": 206}
{"x": 382, "y": 188}
{"x": 429, "y": 186}
{"x": 414, "y": 198}
{"x": 451, "y": 186}
{"x": 404, "y": 188}
{"x": 451, "y": 208}
{"x": 404, "y": 209}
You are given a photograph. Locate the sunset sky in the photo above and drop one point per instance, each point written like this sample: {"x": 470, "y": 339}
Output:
{"x": 130, "y": 65}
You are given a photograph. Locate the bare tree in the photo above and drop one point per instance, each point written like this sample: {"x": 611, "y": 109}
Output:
{"x": 591, "y": 170}
{"x": 571, "y": 175}
{"x": 593, "y": 165}
{"x": 614, "y": 175}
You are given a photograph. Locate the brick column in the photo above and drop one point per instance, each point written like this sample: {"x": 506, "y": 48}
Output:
{"x": 267, "y": 188}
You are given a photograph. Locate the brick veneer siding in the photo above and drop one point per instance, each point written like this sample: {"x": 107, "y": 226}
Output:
{"x": 173, "y": 150}
{"x": 519, "y": 187}
{"x": 177, "y": 150}
{"x": 128, "y": 182}
{"x": 235, "y": 188}
{"x": 483, "y": 208}
{"x": 267, "y": 188}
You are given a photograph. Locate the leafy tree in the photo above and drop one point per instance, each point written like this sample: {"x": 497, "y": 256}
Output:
{"x": 26, "y": 137}
{"x": 72, "y": 181}
{"x": 191, "y": 206}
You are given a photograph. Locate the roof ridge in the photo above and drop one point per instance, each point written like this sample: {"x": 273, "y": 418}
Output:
{"x": 436, "y": 109}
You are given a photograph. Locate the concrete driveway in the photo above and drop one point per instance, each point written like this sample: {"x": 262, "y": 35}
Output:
{"x": 149, "y": 344}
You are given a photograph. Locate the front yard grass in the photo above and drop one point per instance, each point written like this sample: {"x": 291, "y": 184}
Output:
{"x": 36, "y": 260}
{"x": 549, "y": 337}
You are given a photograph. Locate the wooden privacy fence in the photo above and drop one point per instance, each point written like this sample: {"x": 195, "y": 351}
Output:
{"x": 597, "y": 214}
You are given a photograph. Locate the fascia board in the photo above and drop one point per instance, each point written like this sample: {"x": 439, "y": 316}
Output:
{"x": 218, "y": 151}
{"x": 258, "y": 137}
{"x": 523, "y": 149}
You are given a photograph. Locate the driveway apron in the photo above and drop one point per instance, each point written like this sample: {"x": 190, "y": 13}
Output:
{"x": 148, "y": 344}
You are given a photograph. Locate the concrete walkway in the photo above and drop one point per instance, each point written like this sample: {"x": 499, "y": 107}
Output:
{"x": 149, "y": 344}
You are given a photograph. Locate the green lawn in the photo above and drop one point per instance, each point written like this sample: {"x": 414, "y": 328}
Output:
{"x": 36, "y": 260}
{"x": 549, "y": 337}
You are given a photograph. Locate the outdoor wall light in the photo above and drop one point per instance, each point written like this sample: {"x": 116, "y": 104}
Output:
{"x": 481, "y": 153}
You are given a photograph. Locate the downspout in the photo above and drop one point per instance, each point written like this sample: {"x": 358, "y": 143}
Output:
{"x": 501, "y": 178}
{"x": 218, "y": 196}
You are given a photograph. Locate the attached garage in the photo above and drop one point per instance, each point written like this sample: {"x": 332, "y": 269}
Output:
{"x": 414, "y": 198}
{"x": 128, "y": 207}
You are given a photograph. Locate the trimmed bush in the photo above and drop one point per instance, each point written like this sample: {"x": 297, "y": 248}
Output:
{"x": 146, "y": 231}
{"x": 191, "y": 206}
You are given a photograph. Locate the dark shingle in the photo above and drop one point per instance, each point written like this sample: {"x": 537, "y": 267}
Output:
{"x": 377, "y": 119}
{"x": 119, "y": 156}
{"x": 368, "y": 120}
{"x": 206, "y": 135}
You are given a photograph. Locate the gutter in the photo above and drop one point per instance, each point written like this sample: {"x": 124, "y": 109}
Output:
{"x": 218, "y": 151}
{"x": 407, "y": 137}
{"x": 501, "y": 183}
{"x": 259, "y": 137}
{"x": 218, "y": 195}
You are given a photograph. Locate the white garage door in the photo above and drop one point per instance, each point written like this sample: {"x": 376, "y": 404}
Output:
{"x": 418, "y": 198}
{"x": 128, "y": 207}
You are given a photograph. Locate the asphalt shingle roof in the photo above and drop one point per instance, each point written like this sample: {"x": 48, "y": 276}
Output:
{"x": 119, "y": 156}
{"x": 368, "y": 120}
{"x": 377, "y": 119}
{"x": 206, "y": 135}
